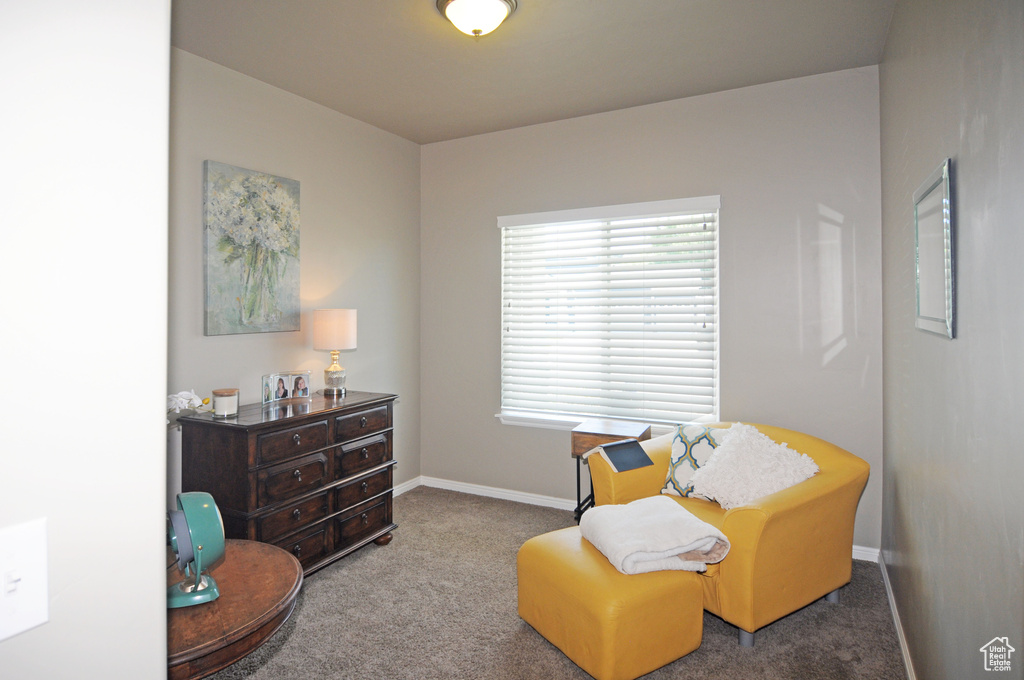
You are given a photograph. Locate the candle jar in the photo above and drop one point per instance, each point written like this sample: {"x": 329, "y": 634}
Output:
{"x": 225, "y": 402}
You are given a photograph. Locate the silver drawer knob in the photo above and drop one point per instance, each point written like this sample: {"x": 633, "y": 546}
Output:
{"x": 366, "y": 520}
{"x": 366, "y": 453}
{"x": 296, "y": 513}
{"x": 297, "y": 475}
{"x": 364, "y": 486}
{"x": 297, "y": 439}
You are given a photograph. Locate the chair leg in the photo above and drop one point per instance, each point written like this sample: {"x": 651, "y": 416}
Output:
{"x": 747, "y": 639}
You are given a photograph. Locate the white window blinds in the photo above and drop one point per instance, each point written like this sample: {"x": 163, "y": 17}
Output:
{"x": 612, "y": 312}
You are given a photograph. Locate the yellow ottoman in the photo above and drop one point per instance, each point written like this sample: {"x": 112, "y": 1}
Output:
{"x": 613, "y": 626}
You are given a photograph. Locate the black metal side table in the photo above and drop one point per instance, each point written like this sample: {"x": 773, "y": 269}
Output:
{"x": 591, "y": 433}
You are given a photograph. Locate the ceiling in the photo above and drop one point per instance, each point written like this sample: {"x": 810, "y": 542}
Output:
{"x": 400, "y": 66}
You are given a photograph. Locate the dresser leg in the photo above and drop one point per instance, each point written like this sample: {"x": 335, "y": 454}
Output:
{"x": 383, "y": 540}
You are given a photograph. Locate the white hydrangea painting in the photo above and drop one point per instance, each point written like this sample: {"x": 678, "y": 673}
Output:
{"x": 251, "y": 223}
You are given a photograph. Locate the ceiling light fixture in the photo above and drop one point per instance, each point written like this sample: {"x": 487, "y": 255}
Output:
{"x": 476, "y": 17}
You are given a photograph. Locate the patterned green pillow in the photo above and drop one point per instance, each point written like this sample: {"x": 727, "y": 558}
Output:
{"x": 691, "y": 448}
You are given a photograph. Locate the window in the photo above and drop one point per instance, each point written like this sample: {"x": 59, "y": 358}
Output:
{"x": 611, "y": 312}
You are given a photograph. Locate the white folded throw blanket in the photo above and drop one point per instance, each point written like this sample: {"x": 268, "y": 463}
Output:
{"x": 653, "y": 534}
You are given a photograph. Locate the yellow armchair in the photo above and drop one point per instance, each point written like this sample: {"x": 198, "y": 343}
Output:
{"x": 788, "y": 549}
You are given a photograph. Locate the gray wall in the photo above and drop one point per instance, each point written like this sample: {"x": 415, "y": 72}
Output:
{"x": 359, "y": 194}
{"x": 952, "y": 85}
{"x": 797, "y": 166}
{"x": 83, "y": 270}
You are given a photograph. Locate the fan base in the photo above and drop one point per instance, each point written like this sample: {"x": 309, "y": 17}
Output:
{"x": 186, "y": 593}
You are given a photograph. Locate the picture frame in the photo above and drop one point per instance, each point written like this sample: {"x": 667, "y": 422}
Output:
{"x": 287, "y": 385}
{"x": 250, "y": 251}
{"x": 934, "y": 254}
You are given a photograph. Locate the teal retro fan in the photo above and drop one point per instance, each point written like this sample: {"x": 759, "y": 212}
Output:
{"x": 195, "y": 532}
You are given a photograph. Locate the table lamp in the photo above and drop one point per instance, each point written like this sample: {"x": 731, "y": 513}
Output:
{"x": 333, "y": 331}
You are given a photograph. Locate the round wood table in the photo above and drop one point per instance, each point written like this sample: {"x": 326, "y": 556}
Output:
{"x": 258, "y": 584}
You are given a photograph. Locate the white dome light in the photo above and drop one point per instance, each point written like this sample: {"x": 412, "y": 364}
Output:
{"x": 476, "y": 17}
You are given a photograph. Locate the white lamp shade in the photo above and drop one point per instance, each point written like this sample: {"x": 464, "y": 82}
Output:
{"x": 334, "y": 329}
{"x": 476, "y": 17}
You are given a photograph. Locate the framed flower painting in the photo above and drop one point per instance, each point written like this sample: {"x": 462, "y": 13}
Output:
{"x": 251, "y": 241}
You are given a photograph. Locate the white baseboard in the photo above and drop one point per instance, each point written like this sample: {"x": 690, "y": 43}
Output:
{"x": 406, "y": 486}
{"x": 904, "y": 649}
{"x": 867, "y": 554}
{"x": 489, "y": 491}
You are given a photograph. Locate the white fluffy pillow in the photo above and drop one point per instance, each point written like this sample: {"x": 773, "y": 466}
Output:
{"x": 747, "y": 465}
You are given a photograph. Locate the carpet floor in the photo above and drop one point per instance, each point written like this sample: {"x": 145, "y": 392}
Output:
{"x": 439, "y": 602}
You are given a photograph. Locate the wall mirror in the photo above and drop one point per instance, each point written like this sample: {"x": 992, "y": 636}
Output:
{"x": 933, "y": 239}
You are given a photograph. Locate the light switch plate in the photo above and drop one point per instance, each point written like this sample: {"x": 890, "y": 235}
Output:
{"x": 24, "y": 579}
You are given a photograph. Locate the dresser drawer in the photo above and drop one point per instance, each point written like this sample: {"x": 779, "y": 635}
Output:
{"x": 292, "y": 442}
{"x": 307, "y": 546}
{"x": 361, "y": 424}
{"x": 292, "y": 518}
{"x": 364, "y": 521}
{"x": 362, "y": 454}
{"x": 283, "y": 482}
{"x": 362, "y": 488}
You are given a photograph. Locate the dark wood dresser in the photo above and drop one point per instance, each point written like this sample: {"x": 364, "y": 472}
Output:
{"x": 313, "y": 476}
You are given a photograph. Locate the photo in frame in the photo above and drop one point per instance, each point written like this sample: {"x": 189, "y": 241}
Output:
{"x": 289, "y": 385}
{"x": 251, "y": 249}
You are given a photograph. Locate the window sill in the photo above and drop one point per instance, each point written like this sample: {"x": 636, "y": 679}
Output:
{"x": 533, "y": 420}
{"x": 567, "y": 423}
